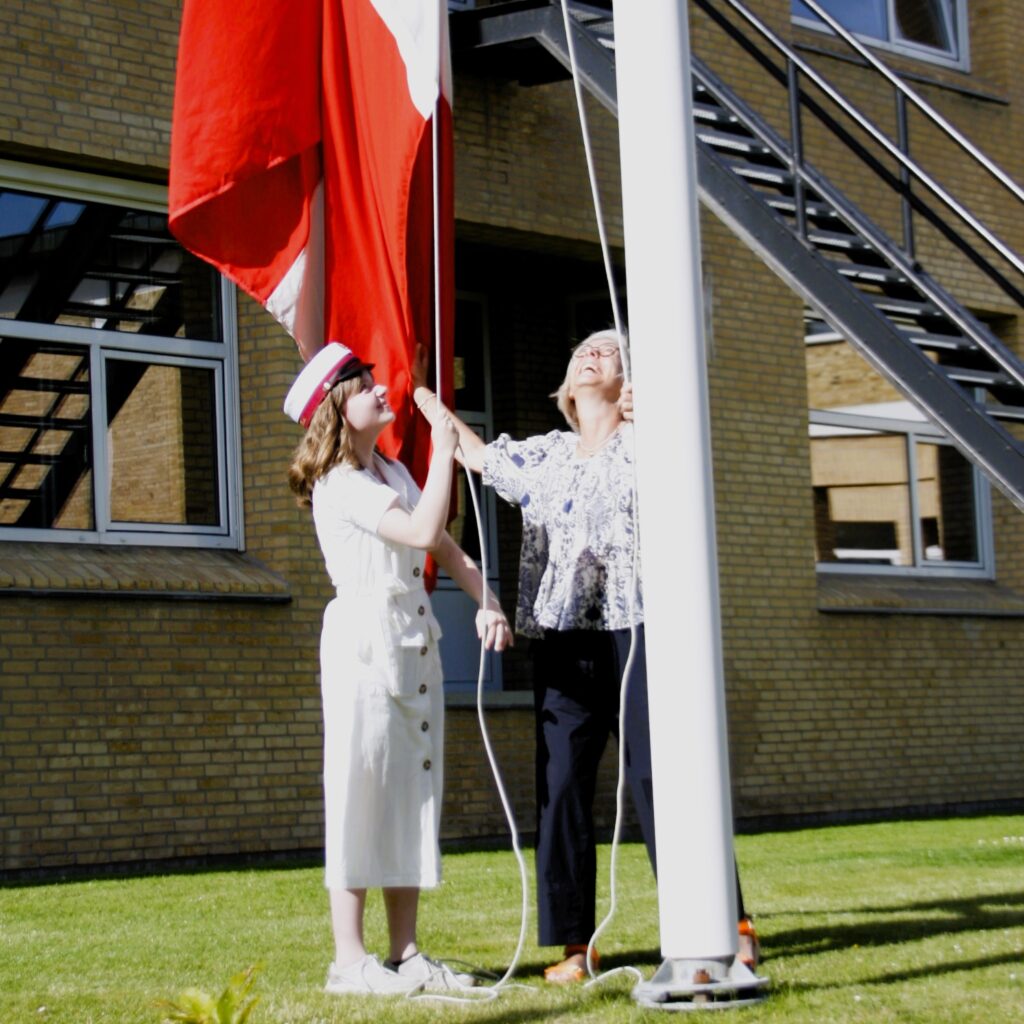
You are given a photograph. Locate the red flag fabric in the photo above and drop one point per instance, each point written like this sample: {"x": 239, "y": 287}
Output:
{"x": 302, "y": 168}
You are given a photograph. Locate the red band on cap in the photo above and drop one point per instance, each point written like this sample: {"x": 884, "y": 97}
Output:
{"x": 323, "y": 389}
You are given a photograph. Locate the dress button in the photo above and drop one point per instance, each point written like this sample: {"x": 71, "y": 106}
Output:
{"x": 426, "y": 765}
{"x": 421, "y": 610}
{"x": 423, "y": 650}
{"x": 424, "y": 726}
{"x": 423, "y": 687}
{"x": 416, "y": 571}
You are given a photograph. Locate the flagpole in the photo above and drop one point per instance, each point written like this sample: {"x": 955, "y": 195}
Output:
{"x": 692, "y": 805}
{"x": 441, "y": 12}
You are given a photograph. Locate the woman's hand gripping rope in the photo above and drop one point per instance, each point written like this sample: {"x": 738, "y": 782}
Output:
{"x": 493, "y": 629}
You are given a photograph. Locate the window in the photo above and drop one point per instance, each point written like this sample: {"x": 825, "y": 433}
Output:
{"x": 117, "y": 363}
{"x": 928, "y": 29}
{"x": 890, "y": 491}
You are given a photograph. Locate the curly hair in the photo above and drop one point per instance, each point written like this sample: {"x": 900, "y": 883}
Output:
{"x": 326, "y": 443}
{"x": 567, "y": 404}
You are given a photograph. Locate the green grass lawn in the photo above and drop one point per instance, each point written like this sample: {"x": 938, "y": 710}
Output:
{"x": 905, "y": 921}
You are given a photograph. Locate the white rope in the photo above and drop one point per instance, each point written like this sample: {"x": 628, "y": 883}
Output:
{"x": 490, "y": 992}
{"x": 627, "y": 668}
{"x": 595, "y": 192}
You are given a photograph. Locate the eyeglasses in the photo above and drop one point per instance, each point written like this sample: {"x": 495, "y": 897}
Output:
{"x": 601, "y": 351}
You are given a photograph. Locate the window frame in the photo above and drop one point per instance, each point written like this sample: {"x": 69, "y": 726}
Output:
{"x": 913, "y": 432}
{"x": 219, "y": 356}
{"x": 960, "y": 60}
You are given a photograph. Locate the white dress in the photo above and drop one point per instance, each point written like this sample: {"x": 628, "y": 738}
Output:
{"x": 381, "y": 682}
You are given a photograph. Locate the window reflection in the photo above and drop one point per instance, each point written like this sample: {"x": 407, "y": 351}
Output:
{"x": 162, "y": 442}
{"x": 101, "y": 266}
{"x": 45, "y": 436}
{"x": 861, "y": 497}
{"x": 865, "y": 17}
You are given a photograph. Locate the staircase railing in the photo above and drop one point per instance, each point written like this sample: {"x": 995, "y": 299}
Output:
{"x": 910, "y": 170}
{"x": 906, "y": 94}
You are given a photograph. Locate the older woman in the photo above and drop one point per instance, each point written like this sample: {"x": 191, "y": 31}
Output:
{"x": 579, "y": 599}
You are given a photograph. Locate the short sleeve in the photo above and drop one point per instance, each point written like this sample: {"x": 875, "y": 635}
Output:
{"x": 358, "y": 497}
{"x": 512, "y": 467}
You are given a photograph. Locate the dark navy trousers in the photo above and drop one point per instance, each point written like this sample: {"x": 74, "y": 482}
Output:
{"x": 576, "y": 699}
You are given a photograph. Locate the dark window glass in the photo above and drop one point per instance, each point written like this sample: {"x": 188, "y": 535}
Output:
{"x": 101, "y": 266}
{"x": 923, "y": 22}
{"x": 469, "y": 356}
{"x": 945, "y": 488}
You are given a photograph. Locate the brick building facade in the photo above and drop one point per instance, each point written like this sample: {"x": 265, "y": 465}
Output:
{"x": 159, "y": 699}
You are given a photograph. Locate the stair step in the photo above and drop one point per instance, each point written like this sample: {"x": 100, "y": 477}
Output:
{"x": 999, "y": 411}
{"x": 746, "y": 144}
{"x": 905, "y": 307}
{"x": 762, "y": 173}
{"x": 819, "y": 333}
{"x": 867, "y": 273}
{"x": 983, "y": 378}
{"x": 787, "y": 204}
{"x": 946, "y": 342}
{"x": 823, "y": 336}
{"x": 843, "y": 240}
{"x": 714, "y": 114}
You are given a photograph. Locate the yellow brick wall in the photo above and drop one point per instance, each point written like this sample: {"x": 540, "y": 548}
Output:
{"x": 89, "y": 84}
{"x": 145, "y": 729}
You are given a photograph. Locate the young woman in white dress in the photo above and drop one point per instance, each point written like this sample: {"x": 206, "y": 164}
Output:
{"x": 380, "y": 669}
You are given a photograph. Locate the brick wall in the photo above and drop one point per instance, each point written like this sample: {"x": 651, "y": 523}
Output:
{"x": 186, "y": 723}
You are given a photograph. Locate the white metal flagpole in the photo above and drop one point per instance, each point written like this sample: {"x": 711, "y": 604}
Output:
{"x": 693, "y": 809}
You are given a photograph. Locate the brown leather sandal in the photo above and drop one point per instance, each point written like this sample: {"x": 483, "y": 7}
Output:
{"x": 750, "y": 946}
{"x": 573, "y": 968}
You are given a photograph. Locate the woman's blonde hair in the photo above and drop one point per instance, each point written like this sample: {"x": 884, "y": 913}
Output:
{"x": 326, "y": 443}
{"x": 565, "y": 402}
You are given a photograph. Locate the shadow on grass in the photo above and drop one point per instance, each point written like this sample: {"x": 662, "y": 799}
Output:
{"x": 931, "y": 971}
{"x": 944, "y": 917}
{"x": 912, "y": 922}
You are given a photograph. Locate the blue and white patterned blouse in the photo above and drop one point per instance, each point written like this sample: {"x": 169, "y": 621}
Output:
{"x": 576, "y": 563}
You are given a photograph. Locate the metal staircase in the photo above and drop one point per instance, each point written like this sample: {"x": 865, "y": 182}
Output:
{"x": 858, "y": 282}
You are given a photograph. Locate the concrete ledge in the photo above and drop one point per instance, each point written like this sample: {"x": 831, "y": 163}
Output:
{"x": 85, "y": 570}
{"x": 901, "y": 595}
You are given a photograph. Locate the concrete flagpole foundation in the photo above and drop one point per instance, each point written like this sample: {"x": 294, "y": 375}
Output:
{"x": 693, "y": 809}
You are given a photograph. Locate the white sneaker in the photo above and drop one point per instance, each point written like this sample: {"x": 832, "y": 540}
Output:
{"x": 432, "y": 975}
{"x": 368, "y": 977}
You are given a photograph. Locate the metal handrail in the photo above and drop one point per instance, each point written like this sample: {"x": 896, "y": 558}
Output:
{"x": 919, "y": 101}
{"x": 869, "y": 231}
{"x": 879, "y": 136}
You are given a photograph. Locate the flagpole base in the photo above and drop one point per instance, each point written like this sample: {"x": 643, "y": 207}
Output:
{"x": 684, "y": 985}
